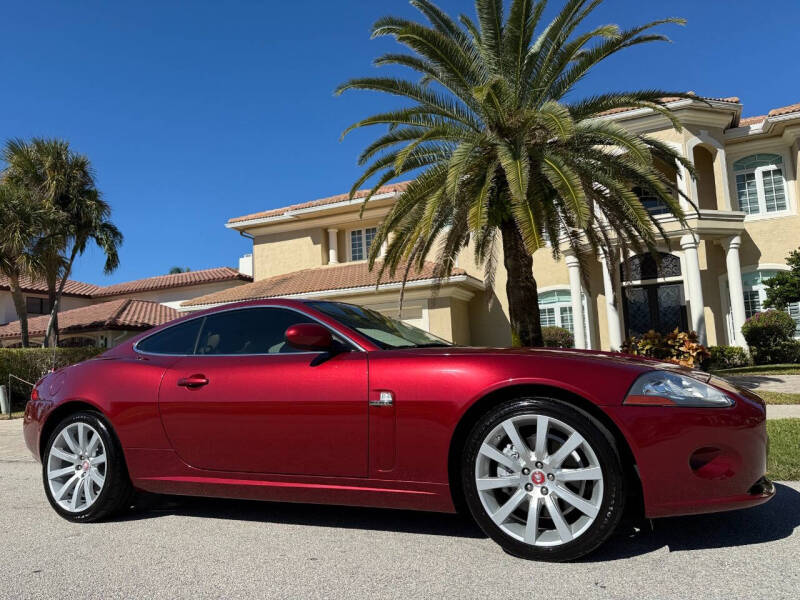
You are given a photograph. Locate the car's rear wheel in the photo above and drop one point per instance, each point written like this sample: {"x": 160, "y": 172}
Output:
{"x": 543, "y": 479}
{"x": 84, "y": 473}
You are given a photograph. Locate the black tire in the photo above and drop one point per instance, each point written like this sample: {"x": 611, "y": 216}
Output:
{"x": 602, "y": 443}
{"x": 117, "y": 491}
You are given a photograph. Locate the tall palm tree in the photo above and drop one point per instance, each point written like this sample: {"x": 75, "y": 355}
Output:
{"x": 498, "y": 146}
{"x": 20, "y": 223}
{"x": 62, "y": 181}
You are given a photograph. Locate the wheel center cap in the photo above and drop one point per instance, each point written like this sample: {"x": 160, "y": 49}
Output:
{"x": 538, "y": 477}
{"x": 85, "y": 465}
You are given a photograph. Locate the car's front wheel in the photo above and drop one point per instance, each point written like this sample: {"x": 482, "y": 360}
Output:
{"x": 83, "y": 469}
{"x": 543, "y": 479}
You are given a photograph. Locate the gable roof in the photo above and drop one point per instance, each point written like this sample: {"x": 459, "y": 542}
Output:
{"x": 277, "y": 212}
{"x": 123, "y": 314}
{"x": 36, "y": 286}
{"x": 148, "y": 284}
{"x": 345, "y": 276}
{"x": 174, "y": 280}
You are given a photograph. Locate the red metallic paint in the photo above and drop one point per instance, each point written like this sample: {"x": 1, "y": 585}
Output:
{"x": 299, "y": 427}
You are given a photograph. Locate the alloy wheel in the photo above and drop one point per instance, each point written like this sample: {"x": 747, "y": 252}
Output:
{"x": 76, "y": 467}
{"x": 539, "y": 480}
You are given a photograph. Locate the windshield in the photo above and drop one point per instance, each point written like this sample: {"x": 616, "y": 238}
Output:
{"x": 384, "y": 331}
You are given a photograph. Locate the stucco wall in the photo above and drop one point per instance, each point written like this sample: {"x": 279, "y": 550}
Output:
{"x": 278, "y": 253}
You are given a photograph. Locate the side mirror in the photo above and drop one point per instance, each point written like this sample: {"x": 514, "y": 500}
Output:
{"x": 309, "y": 336}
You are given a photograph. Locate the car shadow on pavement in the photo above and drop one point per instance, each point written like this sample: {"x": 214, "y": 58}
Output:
{"x": 775, "y": 520}
{"x": 317, "y": 515}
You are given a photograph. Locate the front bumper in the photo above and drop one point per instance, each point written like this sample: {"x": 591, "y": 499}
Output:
{"x": 699, "y": 460}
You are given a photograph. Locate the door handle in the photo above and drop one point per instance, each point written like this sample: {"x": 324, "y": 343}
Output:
{"x": 193, "y": 381}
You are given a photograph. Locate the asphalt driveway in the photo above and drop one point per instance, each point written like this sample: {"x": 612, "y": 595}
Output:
{"x": 176, "y": 548}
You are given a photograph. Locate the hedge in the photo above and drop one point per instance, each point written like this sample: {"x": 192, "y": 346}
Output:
{"x": 557, "y": 337}
{"x": 31, "y": 364}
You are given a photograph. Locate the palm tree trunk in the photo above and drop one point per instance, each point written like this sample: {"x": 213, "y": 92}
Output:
{"x": 523, "y": 298}
{"x": 55, "y": 301}
{"x": 19, "y": 306}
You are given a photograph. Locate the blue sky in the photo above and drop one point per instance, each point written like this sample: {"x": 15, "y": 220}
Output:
{"x": 195, "y": 112}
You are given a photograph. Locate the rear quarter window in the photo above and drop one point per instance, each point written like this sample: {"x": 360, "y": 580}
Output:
{"x": 178, "y": 339}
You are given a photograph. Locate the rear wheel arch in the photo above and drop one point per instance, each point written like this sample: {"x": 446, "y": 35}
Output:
{"x": 483, "y": 404}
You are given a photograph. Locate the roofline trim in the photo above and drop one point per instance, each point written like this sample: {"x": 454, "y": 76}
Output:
{"x": 291, "y": 215}
{"x": 469, "y": 280}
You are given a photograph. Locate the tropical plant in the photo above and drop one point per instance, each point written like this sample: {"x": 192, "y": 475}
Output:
{"x": 498, "y": 147}
{"x": 557, "y": 337}
{"x": 728, "y": 357}
{"x": 679, "y": 347}
{"x": 20, "y": 224}
{"x": 784, "y": 288}
{"x": 769, "y": 335}
{"x": 176, "y": 270}
{"x": 51, "y": 175}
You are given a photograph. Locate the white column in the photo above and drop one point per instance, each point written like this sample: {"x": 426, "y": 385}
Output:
{"x": 333, "y": 246}
{"x": 573, "y": 267}
{"x": 697, "y": 319}
{"x": 734, "y": 268}
{"x": 612, "y": 312}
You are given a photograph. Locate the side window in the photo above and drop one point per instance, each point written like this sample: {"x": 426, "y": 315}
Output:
{"x": 178, "y": 339}
{"x": 248, "y": 331}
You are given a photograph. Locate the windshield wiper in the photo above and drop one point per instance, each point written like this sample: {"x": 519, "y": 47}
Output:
{"x": 432, "y": 345}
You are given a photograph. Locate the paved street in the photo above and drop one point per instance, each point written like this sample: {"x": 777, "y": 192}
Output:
{"x": 788, "y": 384}
{"x": 180, "y": 548}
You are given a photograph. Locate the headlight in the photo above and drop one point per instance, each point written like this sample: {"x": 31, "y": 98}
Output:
{"x": 664, "y": 388}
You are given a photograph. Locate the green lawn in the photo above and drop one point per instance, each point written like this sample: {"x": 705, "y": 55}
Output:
{"x": 786, "y": 369}
{"x": 779, "y": 397}
{"x": 784, "y": 449}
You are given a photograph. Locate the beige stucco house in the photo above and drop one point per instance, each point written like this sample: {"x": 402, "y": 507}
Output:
{"x": 710, "y": 278}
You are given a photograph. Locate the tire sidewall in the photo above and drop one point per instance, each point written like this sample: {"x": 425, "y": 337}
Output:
{"x": 114, "y": 467}
{"x": 599, "y": 439}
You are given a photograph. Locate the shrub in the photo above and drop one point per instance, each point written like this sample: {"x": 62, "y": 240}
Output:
{"x": 678, "y": 347}
{"x": 769, "y": 335}
{"x": 728, "y": 357}
{"x": 557, "y": 337}
{"x": 32, "y": 363}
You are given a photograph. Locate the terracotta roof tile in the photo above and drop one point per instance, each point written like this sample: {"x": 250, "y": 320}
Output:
{"x": 175, "y": 280}
{"x": 751, "y": 120}
{"x": 613, "y": 111}
{"x": 329, "y": 278}
{"x": 160, "y": 282}
{"x": 121, "y": 314}
{"x": 775, "y": 112}
{"x": 395, "y": 187}
{"x": 71, "y": 288}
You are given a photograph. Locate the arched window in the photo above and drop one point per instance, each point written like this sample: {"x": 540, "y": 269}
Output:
{"x": 760, "y": 186}
{"x": 644, "y": 266}
{"x": 755, "y": 292}
{"x": 555, "y": 310}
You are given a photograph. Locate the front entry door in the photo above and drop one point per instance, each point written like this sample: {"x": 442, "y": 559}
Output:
{"x": 245, "y": 402}
{"x": 659, "y": 307}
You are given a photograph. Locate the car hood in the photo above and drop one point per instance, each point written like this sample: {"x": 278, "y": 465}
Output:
{"x": 594, "y": 357}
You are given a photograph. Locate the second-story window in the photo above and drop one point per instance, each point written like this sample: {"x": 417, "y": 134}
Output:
{"x": 653, "y": 204}
{"x": 760, "y": 187}
{"x": 360, "y": 242}
{"x": 37, "y": 306}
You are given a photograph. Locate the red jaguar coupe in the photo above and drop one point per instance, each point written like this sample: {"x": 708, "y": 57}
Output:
{"x": 311, "y": 401}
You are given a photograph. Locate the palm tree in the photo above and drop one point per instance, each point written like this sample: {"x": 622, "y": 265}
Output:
{"x": 20, "y": 223}
{"x": 62, "y": 181}
{"x": 177, "y": 270}
{"x": 498, "y": 147}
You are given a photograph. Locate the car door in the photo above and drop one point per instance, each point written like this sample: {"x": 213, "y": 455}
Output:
{"x": 245, "y": 401}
